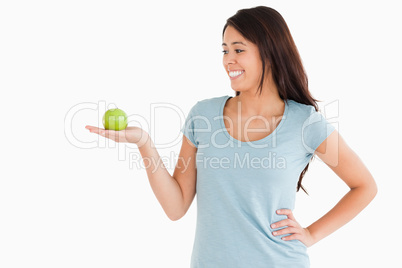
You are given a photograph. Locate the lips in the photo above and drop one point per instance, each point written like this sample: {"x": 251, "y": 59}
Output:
{"x": 235, "y": 74}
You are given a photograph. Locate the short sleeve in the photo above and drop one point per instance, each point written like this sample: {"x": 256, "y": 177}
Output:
{"x": 316, "y": 129}
{"x": 188, "y": 128}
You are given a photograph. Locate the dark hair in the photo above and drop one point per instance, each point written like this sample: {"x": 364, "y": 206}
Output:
{"x": 266, "y": 28}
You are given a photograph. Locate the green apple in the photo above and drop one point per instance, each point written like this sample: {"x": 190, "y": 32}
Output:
{"x": 115, "y": 119}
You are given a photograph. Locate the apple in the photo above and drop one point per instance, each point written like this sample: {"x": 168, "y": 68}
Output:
{"x": 115, "y": 119}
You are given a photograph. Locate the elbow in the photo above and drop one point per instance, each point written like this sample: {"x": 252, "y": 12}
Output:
{"x": 175, "y": 216}
{"x": 177, "y": 213}
{"x": 370, "y": 190}
{"x": 373, "y": 189}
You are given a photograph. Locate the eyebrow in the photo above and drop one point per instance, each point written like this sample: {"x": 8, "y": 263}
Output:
{"x": 234, "y": 43}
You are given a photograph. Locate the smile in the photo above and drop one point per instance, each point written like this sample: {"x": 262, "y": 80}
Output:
{"x": 235, "y": 74}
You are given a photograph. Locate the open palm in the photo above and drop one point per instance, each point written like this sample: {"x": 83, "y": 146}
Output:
{"x": 130, "y": 134}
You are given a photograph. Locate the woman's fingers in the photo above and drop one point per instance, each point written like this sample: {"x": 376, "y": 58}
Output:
{"x": 293, "y": 237}
{"x": 130, "y": 134}
{"x": 286, "y": 212}
{"x": 285, "y": 222}
{"x": 112, "y": 134}
{"x": 293, "y": 228}
{"x": 117, "y": 136}
{"x": 93, "y": 129}
{"x": 90, "y": 127}
{"x": 100, "y": 131}
{"x": 289, "y": 230}
{"x": 290, "y": 221}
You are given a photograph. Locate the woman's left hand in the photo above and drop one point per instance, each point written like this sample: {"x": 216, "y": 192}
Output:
{"x": 294, "y": 228}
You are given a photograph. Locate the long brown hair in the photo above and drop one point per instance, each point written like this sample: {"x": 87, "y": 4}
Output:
{"x": 266, "y": 28}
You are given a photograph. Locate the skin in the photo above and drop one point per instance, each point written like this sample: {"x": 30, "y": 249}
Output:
{"x": 338, "y": 156}
{"x": 334, "y": 151}
{"x": 176, "y": 193}
{"x": 254, "y": 116}
{"x": 134, "y": 135}
{"x": 246, "y": 57}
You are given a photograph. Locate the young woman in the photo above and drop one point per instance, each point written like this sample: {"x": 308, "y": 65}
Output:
{"x": 245, "y": 156}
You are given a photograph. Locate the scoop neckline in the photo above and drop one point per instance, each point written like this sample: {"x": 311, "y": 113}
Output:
{"x": 265, "y": 139}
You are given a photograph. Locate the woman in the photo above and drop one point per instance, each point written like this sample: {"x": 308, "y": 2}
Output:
{"x": 246, "y": 180}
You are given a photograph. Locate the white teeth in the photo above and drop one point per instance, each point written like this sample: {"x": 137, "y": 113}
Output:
{"x": 236, "y": 73}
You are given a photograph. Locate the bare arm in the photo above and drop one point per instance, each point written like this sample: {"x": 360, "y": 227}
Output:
{"x": 174, "y": 193}
{"x": 349, "y": 167}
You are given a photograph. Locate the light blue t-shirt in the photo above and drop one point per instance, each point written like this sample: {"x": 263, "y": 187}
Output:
{"x": 240, "y": 185}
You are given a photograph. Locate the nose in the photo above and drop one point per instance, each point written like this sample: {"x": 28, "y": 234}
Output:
{"x": 228, "y": 60}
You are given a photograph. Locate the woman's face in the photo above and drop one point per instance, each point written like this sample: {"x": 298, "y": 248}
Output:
{"x": 241, "y": 60}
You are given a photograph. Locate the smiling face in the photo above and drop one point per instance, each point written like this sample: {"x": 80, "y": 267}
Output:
{"x": 241, "y": 60}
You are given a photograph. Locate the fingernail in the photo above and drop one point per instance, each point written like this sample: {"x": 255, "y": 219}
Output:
{"x": 273, "y": 225}
{"x": 274, "y": 233}
{"x": 279, "y": 211}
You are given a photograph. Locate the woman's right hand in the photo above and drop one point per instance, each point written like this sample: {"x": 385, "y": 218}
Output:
{"x": 134, "y": 135}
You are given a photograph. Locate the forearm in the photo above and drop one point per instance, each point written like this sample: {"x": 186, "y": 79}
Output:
{"x": 165, "y": 187}
{"x": 344, "y": 211}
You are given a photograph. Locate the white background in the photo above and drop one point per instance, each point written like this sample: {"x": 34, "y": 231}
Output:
{"x": 65, "y": 205}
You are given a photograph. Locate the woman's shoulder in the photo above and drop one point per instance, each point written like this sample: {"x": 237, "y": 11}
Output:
{"x": 305, "y": 114}
{"x": 212, "y": 103}
{"x": 213, "y": 100}
{"x": 300, "y": 109}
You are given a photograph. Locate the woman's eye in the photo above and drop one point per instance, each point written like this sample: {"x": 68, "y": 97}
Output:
{"x": 237, "y": 51}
